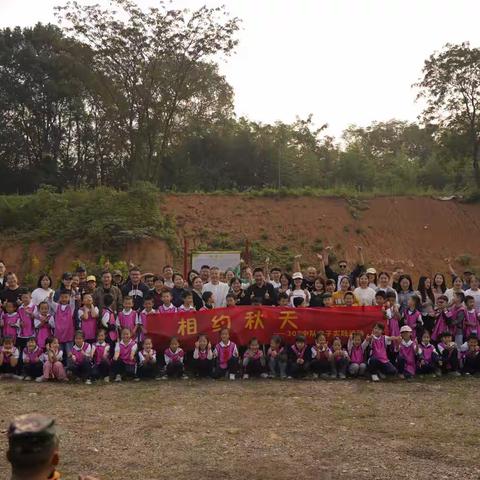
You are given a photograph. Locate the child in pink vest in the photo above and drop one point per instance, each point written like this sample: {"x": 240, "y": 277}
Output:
{"x": 471, "y": 356}
{"x": 128, "y": 318}
{"x": 87, "y": 318}
{"x": 43, "y": 324}
{"x": 321, "y": 357}
{"x": 174, "y": 356}
{"x": 447, "y": 348}
{"x": 356, "y": 352}
{"x": 427, "y": 362}
{"x": 101, "y": 357}
{"x": 277, "y": 358}
{"x": 378, "y": 362}
{"x": 187, "y": 305}
{"x": 10, "y": 321}
{"x": 202, "y": 363}
{"x": 63, "y": 319}
{"x": 407, "y": 354}
{"x": 226, "y": 356}
{"x": 167, "y": 305}
{"x": 340, "y": 360}
{"x": 443, "y": 318}
{"x": 412, "y": 317}
{"x": 109, "y": 322}
{"x": 254, "y": 361}
{"x": 297, "y": 365}
{"x": 80, "y": 359}
{"x": 142, "y": 318}
{"x": 472, "y": 316}
{"x": 9, "y": 356}
{"x": 32, "y": 363}
{"x": 124, "y": 362}
{"x": 53, "y": 368}
{"x": 147, "y": 360}
{"x": 459, "y": 315}
{"x": 26, "y": 327}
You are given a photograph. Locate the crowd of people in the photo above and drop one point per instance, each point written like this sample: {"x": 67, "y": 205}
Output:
{"x": 88, "y": 331}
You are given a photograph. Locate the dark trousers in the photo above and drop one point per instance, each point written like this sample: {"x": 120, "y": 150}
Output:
{"x": 82, "y": 370}
{"x": 297, "y": 370}
{"x": 320, "y": 367}
{"x": 119, "y": 367}
{"x": 253, "y": 367}
{"x": 339, "y": 367}
{"x": 202, "y": 368}
{"x": 450, "y": 361}
{"x": 471, "y": 364}
{"x": 6, "y": 368}
{"x": 174, "y": 369}
{"x": 376, "y": 367}
{"x": 278, "y": 366}
{"x": 33, "y": 370}
{"x": 21, "y": 344}
{"x": 147, "y": 370}
{"x": 427, "y": 368}
{"x": 232, "y": 368}
{"x": 101, "y": 370}
{"x": 401, "y": 366}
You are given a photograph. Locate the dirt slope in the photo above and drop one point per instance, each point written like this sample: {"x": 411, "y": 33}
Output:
{"x": 413, "y": 233}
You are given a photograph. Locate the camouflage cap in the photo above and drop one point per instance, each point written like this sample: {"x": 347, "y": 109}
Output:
{"x": 31, "y": 433}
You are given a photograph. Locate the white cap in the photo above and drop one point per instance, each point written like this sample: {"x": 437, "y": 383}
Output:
{"x": 297, "y": 275}
{"x": 371, "y": 270}
{"x": 405, "y": 328}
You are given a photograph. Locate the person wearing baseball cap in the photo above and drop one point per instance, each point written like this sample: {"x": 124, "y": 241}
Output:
{"x": 91, "y": 284}
{"x": 407, "y": 354}
{"x": 33, "y": 448}
{"x": 372, "y": 277}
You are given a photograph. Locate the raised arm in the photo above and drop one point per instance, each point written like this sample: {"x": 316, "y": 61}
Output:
{"x": 321, "y": 265}
{"x": 296, "y": 263}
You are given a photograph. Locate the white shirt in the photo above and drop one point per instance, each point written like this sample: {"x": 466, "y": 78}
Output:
{"x": 82, "y": 311}
{"x": 219, "y": 292}
{"x": 366, "y": 296}
{"x": 450, "y": 292}
{"x": 300, "y": 293}
{"x": 40, "y": 295}
{"x": 476, "y": 295}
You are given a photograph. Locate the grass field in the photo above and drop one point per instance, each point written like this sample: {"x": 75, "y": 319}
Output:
{"x": 260, "y": 429}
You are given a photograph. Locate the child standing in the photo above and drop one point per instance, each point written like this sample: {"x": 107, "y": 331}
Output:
{"x": 87, "y": 318}
{"x": 277, "y": 358}
{"x": 253, "y": 360}
{"x": 378, "y": 363}
{"x": 26, "y": 328}
{"x": 412, "y": 316}
{"x": 297, "y": 366}
{"x": 459, "y": 314}
{"x": 53, "y": 368}
{"x": 147, "y": 310}
{"x": 407, "y": 355}
{"x": 108, "y": 321}
{"x": 339, "y": 360}
{"x": 63, "y": 319}
{"x": 124, "y": 363}
{"x": 321, "y": 357}
{"x": 471, "y": 318}
{"x": 32, "y": 364}
{"x": 174, "y": 357}
{"x": 101, "y": 357}
{"x": 226, "y": 355}
{"x": 443, "y": 319}
{"x": 80, "y": 359}
{"x": 187, "y": 305}
{"x": 167, "y": 306}
{"x": 448, "y": 354}
{"x": 127, "y": 318}
{"x": 8, "y": 359}
{"x": 356, "y": 352}
{"x": 202, "y": 363}
{"x": 10, "y": 320}
{"x": 147, "y": 360}
{"x": 43, "y": 324}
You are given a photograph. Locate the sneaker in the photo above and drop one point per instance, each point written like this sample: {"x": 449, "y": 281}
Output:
{"x": 382, "y": 376}
{"x": 455, "y": 374}
{"x": 324, "y": 376}
{"x": 118, "y": 378}
{"x": 136, "y": 379}
{"x": 315, "y": 376}
{"x": 231, "y": 376}
{"x": 158, "y": 378}
{"x": 40, "y": 379}
{"x": 165, "y": 377}
{"x": 288, "y": 378}
{"x": 264, "y": 375}
{"x": 375, "y": 378}
{"x": 27, "y": 379}
{"x": 88, "y": 382}
{"x": 438, "y": 372}
{"x": 17, "y": 377}
{"x": 106, "y": 379}
{"x": 184, "y": 377}
{"x": 342, "y": 376}
{"x": 245, "y": 376}
{"x": 401, "y": 375}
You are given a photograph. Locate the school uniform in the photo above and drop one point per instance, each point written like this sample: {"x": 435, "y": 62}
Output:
{"x": 427, "y": 361}
{"x": 448, "y": 360}
{"x": 321, "y": 363}
{"x": 413, "y": 318}
{"x": 125, "y": 364}
{"x": 142, "y": 320}
{"x": 167, "y": 309}
{"x": 44, "y": 329}
{"x": 53, "y": 369}
{"x": 88, "y": 325}
{"x": 340, "y": 362}
{"x": 101, "y": 360}
{"x": 80, "y": 363}
{"x": 378, "y": 361}
{"x": 295, "y": 369}
{"x": 226, "y": 355}
{"x": 147, "y": 369}
{"x": 174, "y": 362}
{"x": 202, "y": 363}
{"x": 110, "y": 324}
{"x": 470, "y": 362}
{"x": 471, "y": 323}
{"x": 407, "y": 358}
{"x": 6, "y": 366}
{"x": 127, "y": 319}
{"x": 32, "y": 364}
{"x": 357, "y": 365}
{"x": 459, "y": 315}
{"x": 64, "y": 324}
{"x": 253, "y": 363}
{"x": 277, "y": 362}
{"x": 443, "y": 323}
{"x": 26, "y": 327}
{"x": 10, "y": 325}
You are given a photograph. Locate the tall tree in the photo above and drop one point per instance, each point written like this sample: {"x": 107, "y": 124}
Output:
{"x": 451, "y": 89}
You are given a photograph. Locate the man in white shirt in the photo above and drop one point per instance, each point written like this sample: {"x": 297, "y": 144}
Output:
{"x": 219, "y": 289}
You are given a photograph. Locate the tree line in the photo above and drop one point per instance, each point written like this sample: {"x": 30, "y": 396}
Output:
{"x": 108, "y": 98}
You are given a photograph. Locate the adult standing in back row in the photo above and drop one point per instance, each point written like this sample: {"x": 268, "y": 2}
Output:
{"x": 135, "y": 288}
{"x": 107, "y": 287}
{"x": 219, "y": 289}
{"x": 343, "y": 266}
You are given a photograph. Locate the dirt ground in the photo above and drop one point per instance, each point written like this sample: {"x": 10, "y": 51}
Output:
{"x": 260, "y": 429}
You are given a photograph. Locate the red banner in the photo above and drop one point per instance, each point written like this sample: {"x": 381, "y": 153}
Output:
{"x": 260, "y": 322}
